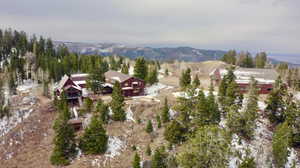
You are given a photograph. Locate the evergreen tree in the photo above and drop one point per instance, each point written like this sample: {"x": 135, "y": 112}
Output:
{"x": 149, "y": 127}
{"x": 152, "y": 76}
{"x": 158, "y": 120}
{"x": 125, "y": 68}
{"x": 165, "y": 116}
{"x": 275, "y": 106}
{"x": 117, "y": 103}
{"x": 12, "y": 84}
{"x": 64, "y": 140}
{"x": 260, "y": 60}
{"x": 196, "y": 82}
{"x": 148, "y": 150}
{"x": 201, "y": 116}
{"x": 280, "y": 144}
{"x": 140, "y": 68}
{"x": 158, "y": 159}
{"x": 167, "y": 72}
{"x": 174, "y": 132}
{"x": 212, "y": 106}
{"x": 136, "y": 161}
{"x": 185, "y": 78}
{"x": 230, "y": 57}
{"x": 102, "y": 111}
{"x": 94, "y": 139}
{"x": 210, "y": 148}
{"x": 96, "y": 79}
{"x": 244, "y": 122}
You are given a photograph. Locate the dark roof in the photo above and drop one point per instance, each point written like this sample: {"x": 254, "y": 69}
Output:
{"x": 116, "y": 76}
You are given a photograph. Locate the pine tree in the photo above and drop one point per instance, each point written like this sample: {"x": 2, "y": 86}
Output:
{"x": 96, "y": 79}
{"x": 174, "y": 132}
{"x": 196, "y": 82}
{"x": 280, "y": 144}
{"x": 275, "y": 106}
{"x": 185, "y": 79}
{"x": 12, "y": 84}
{"x": 64, "y": 142}
{"x": 125, "y": 68}
{"x": 158, "y": 120}
{"x": 140, "y": 68}
{"x": 136, "y": 161}
{"x": 94, "y": 139}
{"x": 212, "y": 106}
{"x": 201, "y": 116}
{"x": 148, "y": 150}
{"x": 158, "y": 159}
{"x": 152, "y": 76}
{"x": 244, "y": 122}
{"x": 167, "y": 72}
{"x": 149, "y": 127}
{"x": 209, "y": 147}
{"x": 165, "y": 116}
{"x": 102, "y": 111}
{"x": 117, "y": 103}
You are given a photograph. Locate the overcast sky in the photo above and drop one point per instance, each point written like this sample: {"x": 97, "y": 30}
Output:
{"x": 254, "y": 25}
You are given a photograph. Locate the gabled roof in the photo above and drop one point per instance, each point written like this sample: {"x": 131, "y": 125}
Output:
{"x": 116, "y": 76}
{"x": 243, "y": 75}
{"x": 63, "y": 81}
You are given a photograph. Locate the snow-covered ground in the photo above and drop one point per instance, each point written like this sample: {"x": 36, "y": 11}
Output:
{"x": 129, "y": 114}
{"x": 19, "y": 112}
{"x": 114, "y": 147}
{"x": 155, "y": 89}
{"x": 187, "y": 96}
{"x": 26, "y": 86}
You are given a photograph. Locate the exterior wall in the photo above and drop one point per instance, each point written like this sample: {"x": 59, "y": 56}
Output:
{"x": 262, "y": 88}
{"x": 138, "y": 89}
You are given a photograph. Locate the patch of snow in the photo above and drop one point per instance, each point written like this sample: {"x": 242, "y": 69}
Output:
{"x": 27, "y": 85}
{"x": 129, "y": 114}
{"x": 114, "y": 147}
{"x": 155, "y": 89}
{"x": 187, "y": 96}
{"x": 87, "y": 120}
{"x": 172, "y": 113}
{"x": 116, "y": 78}
{"x": 17, "y": 116}
{"x": 292, "y": 160}
{"x": 131, "y": 70}
{"x": 261, "y": 105}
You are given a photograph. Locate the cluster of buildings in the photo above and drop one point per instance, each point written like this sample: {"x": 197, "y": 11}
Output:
{"x": 265, "y": 78}
{"x": 75, "y": 86}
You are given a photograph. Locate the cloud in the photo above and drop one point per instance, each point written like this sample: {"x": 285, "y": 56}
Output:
{"x": 270, "y": 25}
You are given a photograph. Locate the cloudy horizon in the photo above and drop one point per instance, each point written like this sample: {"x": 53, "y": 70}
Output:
{"x": 252, "y": 25}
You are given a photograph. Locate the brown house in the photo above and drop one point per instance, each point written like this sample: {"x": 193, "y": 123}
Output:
{"x": 74, "y": 86}
{"x": 73, "y": 92}
{"x": 265, "y": 78}
{"x": 131, "y": 86}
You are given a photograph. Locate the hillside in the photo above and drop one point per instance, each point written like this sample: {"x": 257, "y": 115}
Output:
{"x": 179, "y": 53}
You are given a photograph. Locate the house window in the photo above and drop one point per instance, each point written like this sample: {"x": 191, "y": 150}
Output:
{"x": 126, "y": 84}
{"x": 269, "y": 89}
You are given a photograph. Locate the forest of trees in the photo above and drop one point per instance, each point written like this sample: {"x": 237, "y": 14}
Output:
{"x": 245, "y": 59}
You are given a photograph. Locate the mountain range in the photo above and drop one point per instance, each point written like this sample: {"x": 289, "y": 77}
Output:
{"x": 164, "y": 54}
